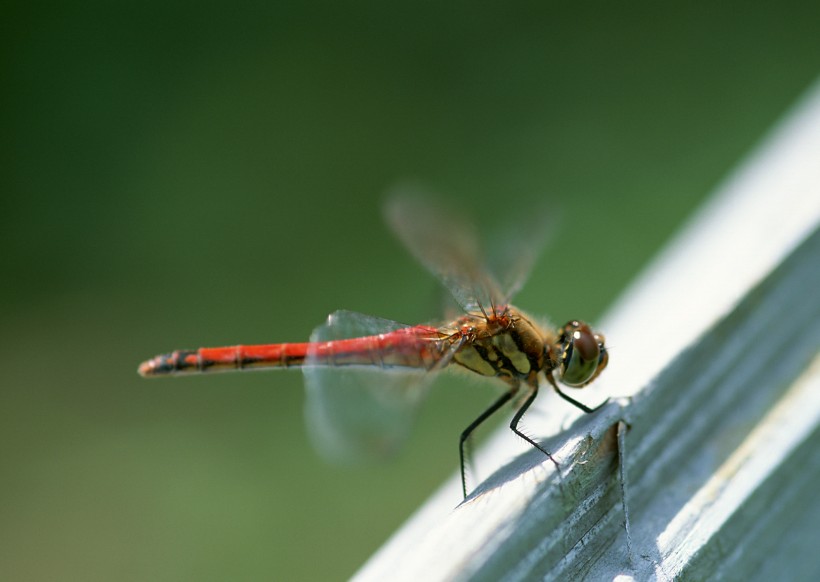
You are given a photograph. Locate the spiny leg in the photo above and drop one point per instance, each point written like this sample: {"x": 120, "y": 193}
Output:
{"x": 533, "y": 385}
{"x": 572, "y": 400}
{"x": 473, "y": 425}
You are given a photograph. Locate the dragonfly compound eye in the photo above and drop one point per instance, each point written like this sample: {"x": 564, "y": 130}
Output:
{"x": 583, "y": 354}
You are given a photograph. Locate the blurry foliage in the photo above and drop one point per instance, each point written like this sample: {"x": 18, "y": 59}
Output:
{"x": 182, "y": 174}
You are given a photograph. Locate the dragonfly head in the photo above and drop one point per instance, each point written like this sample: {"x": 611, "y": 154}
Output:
{"x": 582, "y": 352}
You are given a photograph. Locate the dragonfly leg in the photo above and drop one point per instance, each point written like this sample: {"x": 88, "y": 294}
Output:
{"x": 572, "y": 400}
{"x": 465, "y": 435}
{"x": 533, "y": 386}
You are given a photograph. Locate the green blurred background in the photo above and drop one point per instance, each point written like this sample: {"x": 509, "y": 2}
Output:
{"x": 178, "y": 174}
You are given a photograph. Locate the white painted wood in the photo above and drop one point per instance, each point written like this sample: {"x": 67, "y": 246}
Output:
{"x": 713, "y": 372}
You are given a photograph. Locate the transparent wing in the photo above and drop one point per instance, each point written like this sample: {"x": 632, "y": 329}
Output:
{"x": 357, "y": 413}
{"x": 444, "y": 243}
{"x": 449, "y": 247}
{"x": 517, "y": 246}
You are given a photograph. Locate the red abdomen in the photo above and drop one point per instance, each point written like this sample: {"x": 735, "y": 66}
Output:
{"x": 410, "y": 347}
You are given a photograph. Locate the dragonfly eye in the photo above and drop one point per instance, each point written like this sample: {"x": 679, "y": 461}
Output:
{"x": 583, "y": 354}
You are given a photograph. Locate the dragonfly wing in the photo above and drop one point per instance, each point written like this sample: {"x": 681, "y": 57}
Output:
{"x": 449, "y": 247}
{"x": 357, "y": 413}
{"x": 518, "y": 246}
{"x": 444, "y": 243}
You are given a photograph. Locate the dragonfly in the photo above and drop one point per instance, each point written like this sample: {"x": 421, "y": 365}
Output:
{"x": 365, "y": 376}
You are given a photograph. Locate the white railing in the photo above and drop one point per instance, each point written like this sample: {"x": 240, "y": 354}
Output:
{"x": 715, "y": 369}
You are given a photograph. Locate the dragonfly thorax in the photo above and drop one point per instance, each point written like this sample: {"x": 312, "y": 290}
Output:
{"x": 505, "y": 344}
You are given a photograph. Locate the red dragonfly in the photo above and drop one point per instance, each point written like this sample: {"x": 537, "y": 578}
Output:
{"x": 365, "y": 374}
